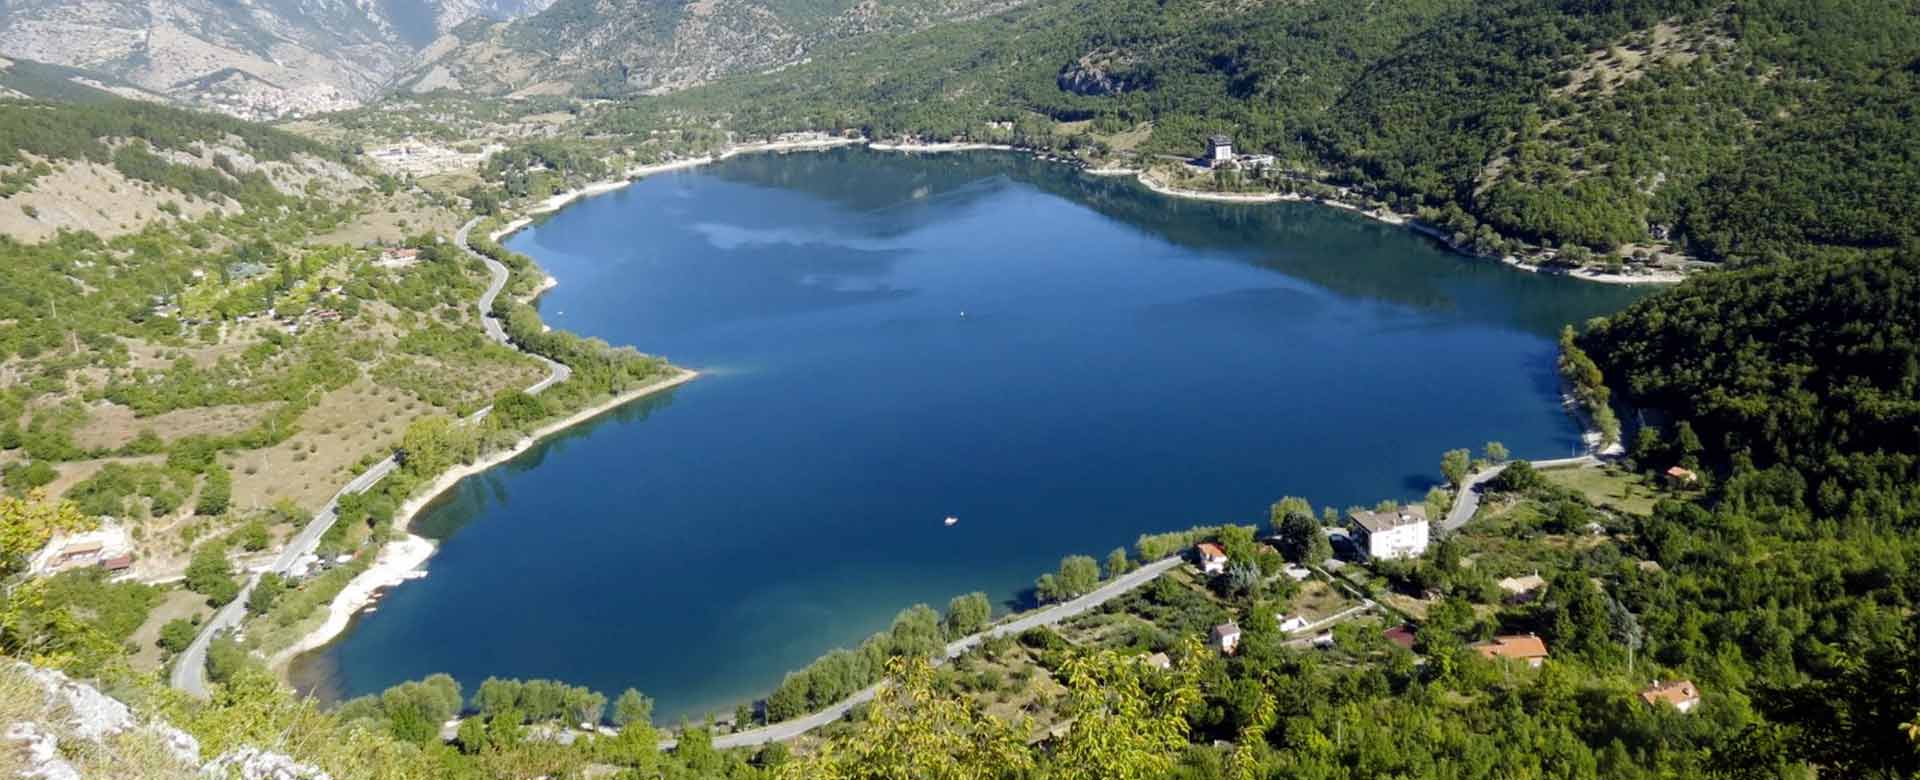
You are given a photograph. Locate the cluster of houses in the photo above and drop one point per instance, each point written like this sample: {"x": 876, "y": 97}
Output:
{"x": 1403, "y": 532}
{"x": 1220, "y": 155}
{"x": 424, "y": 158}
{"x": 294, "y": 323}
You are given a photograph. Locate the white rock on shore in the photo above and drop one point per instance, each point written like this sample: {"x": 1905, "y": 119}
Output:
{"x": 398, "y": 561}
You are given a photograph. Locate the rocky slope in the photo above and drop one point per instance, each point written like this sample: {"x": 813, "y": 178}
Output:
{"x": 255, "y": 59}
{"x": 57, "y": 728}
{"x": 611, "y": 47}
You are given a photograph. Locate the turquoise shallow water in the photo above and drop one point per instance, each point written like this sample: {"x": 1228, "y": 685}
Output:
{"x": 1063, "y": 362}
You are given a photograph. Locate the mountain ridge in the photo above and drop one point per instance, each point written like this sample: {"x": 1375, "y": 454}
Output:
{"x": 264, "y": 59}
{"x": 611, "y": 48}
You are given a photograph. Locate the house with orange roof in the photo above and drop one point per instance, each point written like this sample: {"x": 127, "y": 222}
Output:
{"x": 1515, "y": 647}
{"x": 1213, "y": 557}
{"x": 1680, "y": 693}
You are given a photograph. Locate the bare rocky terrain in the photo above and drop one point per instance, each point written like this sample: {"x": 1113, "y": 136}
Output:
{"x": 259, "y": 60}
{"x": 657, "y": 46}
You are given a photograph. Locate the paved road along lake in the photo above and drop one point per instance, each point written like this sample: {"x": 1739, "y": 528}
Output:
{"x": 1061, "y": 361}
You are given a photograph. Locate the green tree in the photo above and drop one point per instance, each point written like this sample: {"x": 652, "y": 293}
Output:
{"x": 266, "y": 591}
{"x": 632, "y": 707}
{"x": 503, "y": 727}
{"x": 253, "y": 536}
{"x": 1437, "y": 501}
{"x": 695, "y": 750}
{"x": 1648, "y": 449}
{"x": 914, "y": 731}
{"x": 637, "y": 745}
{"x": 472, "y": 735}
{"x": 967, "y": 614}
{"x": 226, "y": 657}
{"x": 1518, "y": 477}
{"x": 27, "y": 523}
{"x": 216, "y": 492}
{"x": 1287, "y": 507}
{"x": 1688, "y": 444}
{"x": 209, "y": 574}
{"x": 1127, "y": 725}
{"x": 1078, "y": 575}
{"x": 514, "y": 407}
{"x": 177, "y": 634}
{"x": 497, "y": 695}
{"x": 1118, "y": 562}
{"x": 1239, "y": 544}
{"x": 1303, "y": 541}
{"x": 1496, "y": 452}
{"x": 30, "y": 475}
{"x": 1455, "y": 465}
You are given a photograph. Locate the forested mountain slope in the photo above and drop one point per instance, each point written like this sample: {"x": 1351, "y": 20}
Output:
{"x": 1810, "y": 366}
{"x": 1721, "y": 130}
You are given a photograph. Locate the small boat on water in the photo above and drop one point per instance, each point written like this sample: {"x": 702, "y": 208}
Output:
{"x": 951, "y": 520}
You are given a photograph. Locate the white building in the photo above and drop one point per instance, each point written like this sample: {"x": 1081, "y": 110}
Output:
{"x": 1213, "y": 559}
{"x": 1401, "y": 533}
{"x": 1226, "y": 637}
{"x": 1219, "y": 150}
{"x": 1291, "y": 624}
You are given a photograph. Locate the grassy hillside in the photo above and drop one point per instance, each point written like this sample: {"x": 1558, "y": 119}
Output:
{"x": 194, "y": 336}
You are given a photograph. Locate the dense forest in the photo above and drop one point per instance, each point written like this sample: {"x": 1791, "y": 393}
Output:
{"x": 1807, "y": 369}
{"x": 1730, "y": 130}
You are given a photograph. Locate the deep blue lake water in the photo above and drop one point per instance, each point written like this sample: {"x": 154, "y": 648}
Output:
{"x": 1063, "y": 362}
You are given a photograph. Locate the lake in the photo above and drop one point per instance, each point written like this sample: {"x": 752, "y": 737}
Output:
{"x": 1063, "y": 362}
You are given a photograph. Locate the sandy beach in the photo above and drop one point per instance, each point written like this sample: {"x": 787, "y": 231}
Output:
{"x": 402, "y": 558}
{"x": 395, "y": 564}
{"x": 547, "y": 282}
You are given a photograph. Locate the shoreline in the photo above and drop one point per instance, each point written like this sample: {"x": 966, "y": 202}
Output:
{"x": 1397, "y": 219}
{"x": 405, "y": 557}
{"x": 1144, "y": 177}
{"x": 560, "y": 200}
{"x": 942, "y": 147}
{"x": 395, "y": 563}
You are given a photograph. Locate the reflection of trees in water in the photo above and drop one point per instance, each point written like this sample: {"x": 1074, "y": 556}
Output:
{"x": 468, "y": 500}
{"x": 1340, "y": 251}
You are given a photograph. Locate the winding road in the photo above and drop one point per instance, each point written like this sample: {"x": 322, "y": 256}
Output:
{"x": 190, "y": 669}
{"x": 788, "y": 729}
{"x": 1468, "y": 500}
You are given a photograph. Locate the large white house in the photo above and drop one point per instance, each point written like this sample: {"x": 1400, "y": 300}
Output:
{"x": 1219, "y": 151}
{"x": 1401, "y": 533}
